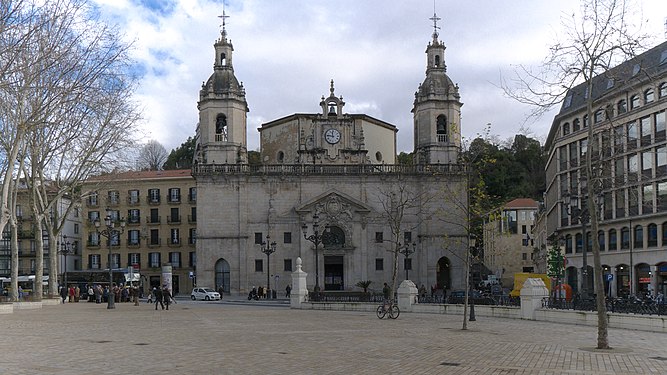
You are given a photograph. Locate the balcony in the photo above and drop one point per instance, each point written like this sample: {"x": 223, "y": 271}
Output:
{"x": 176, "y": 199}
{"x": 153, "y": 220}
{"x": 95, "y": 244}
{"x": 134, "y": 220}
{"x": 133, "y": 201}
{"x": 92, "y": 203}
{"x": 154, "y": 242}
{"x": 174, "y": 219}
{"x": 153, "y": 201}
{"x": 113, "y": 202}
{"x": 442, "y": 138}
{"x": 174, "y": 242}
{"x": 192, "y": 219}
{"x": 134, "y": 243}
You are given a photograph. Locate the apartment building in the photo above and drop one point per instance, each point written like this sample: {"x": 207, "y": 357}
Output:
{"x": 508, "y": 242}
{"x": 629, "y": 149}
{"x": 160, "y": 213}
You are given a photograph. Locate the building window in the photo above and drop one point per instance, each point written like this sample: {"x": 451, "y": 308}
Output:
{"x": 154, "y": 195}
{"x": 662, "y": 90}
{"x": 379, "y": 264}
{"x": 259, "y": 265}
{"x": 175, "y": 237}
{"x": 133, "y": 237}
{"x": 258, "y": 238}
{"x": 621, "y": 106}
{"x": 134, "y": 259}
{"x": 192, "y": 194}
{"x": 378, "y": 237}
{"x": 133, "y": 216}
{"x": 76, "y": 228}
{"x": 93, "y": 200}
{"x": 647, "y": 199}
{"x": 576, "y": 124}
{"x": 193, "y": 236}
{"x": 578, "y": 243}
{"x": 114, "y": 197}
{"x": 649, "y": 96}
{"x": 115, "y": 260}
{"x": 638, "y": 242}
{"x": 407, "y": 237}
{"x": 652, "y": 239}
{"x": 154, "y": 260}
{"x": 613, "y": 241}
{"x": 601, "y": 240}
{"x": 524, "y": 256}
{"x": 155, "y": 237}
{"x": 634, "y": 101}
{"x": 661, "y": 197}
{"x": 659, "y": 119}
{"x": 625, "y": 238}
{"x": 287, "y": 237}
{"x": 192, "y": 259}
{"x": 598, "y": 116}
{"x": 94, "y": 261}
{"x": 174, "y": 195}
{"x": 566, "y": 128}
{"x": 133, "y": 197}
{"x": 287, "y": 265}
{"x": 175, "y": 259}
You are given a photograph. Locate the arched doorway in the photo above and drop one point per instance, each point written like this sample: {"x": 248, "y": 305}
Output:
{"x": 642, "y": 278}
{"x": 334, "y": 267}
{"x": 222, "y": 275}
{"x": 443, "y": 273}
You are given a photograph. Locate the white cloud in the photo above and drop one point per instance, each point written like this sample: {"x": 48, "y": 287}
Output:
{"x": 286, "y": 52}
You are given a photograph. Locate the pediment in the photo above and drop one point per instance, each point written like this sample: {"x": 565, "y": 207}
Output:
{"x": 333, "y": 203}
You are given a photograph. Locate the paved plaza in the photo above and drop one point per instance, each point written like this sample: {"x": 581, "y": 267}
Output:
{"x": 269, "y": 338}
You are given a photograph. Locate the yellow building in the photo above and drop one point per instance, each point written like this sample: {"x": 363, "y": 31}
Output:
{"x": 160, "y": 212}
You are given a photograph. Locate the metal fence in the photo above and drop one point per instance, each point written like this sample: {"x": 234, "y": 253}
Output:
{"x": 621, "y": 306}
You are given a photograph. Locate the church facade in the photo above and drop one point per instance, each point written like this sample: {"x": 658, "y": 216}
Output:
{"x": 329, "y": 190}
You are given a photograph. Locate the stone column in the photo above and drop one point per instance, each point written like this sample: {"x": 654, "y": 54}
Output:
{"x": 299, "y": 292}
{"x": 407, "y": 295}
{"x": 532, "y": 294}
{"x": 614, "y": 283}
{"x": 654, "y": 280}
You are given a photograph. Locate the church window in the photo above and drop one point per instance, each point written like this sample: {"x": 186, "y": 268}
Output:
{"x": 437, "y": 61}
{"x": 223, "y": 59}
{"x": 379, "y": 264}
{"x": 258, "y": 238}
{"x": 221, "y": 128}
{"x": 287, "y": 265}
{"x": 378, "y": 237}
{"x": 287, "y": 237}
{"x": 259, "y": 265}
{"x": 333, "y": 238}
{"x": 378, "y": 156}
{"x": 441, "y": 128}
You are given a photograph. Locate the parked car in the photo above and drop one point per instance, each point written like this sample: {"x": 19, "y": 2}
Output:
{"x": 207, "y": 294}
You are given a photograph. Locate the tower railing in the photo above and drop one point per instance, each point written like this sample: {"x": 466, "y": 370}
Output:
{"x": 323, "y": 169}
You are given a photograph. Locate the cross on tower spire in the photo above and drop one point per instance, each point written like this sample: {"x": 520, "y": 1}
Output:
{"x": 435, "y": 20}
{"x": 224, "y": 16}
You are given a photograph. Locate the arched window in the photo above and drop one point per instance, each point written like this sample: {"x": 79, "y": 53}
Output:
{"x": 441, "y": 128}
{"x": 221, "y": 128}
{"x": 568, "y": 244}
{"x": 566, "y": 128}
{"x": 649, "y": 96}
{"x": 625, "y": 238}
{"x": 575, "y": 125}
{"x": 223, "y": 59}
{"x": 585, "y": 121}
{"x": 613, "y": 241}
{"x": 598, "y": 116}
{"x": 621, "y": 106}
{"x": 437, "y": 61}
{"x": 664, "y": 233}
{"x": 638, "y": 242}
{"x": 222, "y": 278}
{"x": 578, "y": 243}
{"x": 601, "y": 240}
{"x": 333, "y": 237}
{"x": 662, "y": 90}
{"x": 281, "y": 156}
{"x": 634, "y": 101}
{"x": 652, "y": 235}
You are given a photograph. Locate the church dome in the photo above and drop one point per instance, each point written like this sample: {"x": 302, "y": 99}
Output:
{"x": 437, "y": 82}
{"x": 222, "y": 81}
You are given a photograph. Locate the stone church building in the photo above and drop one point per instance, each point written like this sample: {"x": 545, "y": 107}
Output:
{"x": 329, "y": 189}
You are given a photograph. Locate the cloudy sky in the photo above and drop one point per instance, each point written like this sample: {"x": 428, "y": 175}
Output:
{"x": 287, "y": 51}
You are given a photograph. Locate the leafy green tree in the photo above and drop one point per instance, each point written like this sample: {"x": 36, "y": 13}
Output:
{"x": 254, "y": 158}
{"x": 181, "y": 157}
{"x": 404, "y": 158}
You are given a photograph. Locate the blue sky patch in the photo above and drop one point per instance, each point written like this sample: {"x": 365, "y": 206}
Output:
{"x": 161, "y": 7}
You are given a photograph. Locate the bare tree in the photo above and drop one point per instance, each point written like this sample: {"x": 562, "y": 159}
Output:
{"x": 69, "y": 104}
{"x": 403, "y": 209}
{"x": 598, "y": 39}
{"x": 152, "y": 156}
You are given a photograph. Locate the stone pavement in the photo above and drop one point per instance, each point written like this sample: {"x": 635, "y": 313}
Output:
{"x": 269, "y": 338}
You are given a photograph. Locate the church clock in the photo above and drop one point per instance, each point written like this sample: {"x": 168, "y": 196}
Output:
{"x": 332, "y": 136}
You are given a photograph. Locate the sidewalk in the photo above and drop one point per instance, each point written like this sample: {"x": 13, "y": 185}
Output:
{"x": 244, "y": 338}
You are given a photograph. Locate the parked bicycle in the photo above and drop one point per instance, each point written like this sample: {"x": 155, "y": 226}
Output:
{"x": 388, "y": 307}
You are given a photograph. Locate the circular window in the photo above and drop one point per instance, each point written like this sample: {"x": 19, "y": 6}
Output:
{"x": 378, "y": 156}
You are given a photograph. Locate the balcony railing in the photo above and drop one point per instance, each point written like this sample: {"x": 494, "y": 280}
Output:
{"x": 153, "y": 220}
{"x": 174, "y": 219}
{"x": 323, "y": 169}
{"x": 133, "y": 201}
{"x": 154, "y": 242}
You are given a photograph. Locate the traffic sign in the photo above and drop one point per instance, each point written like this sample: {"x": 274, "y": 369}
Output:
{"x": 609, "y": 277}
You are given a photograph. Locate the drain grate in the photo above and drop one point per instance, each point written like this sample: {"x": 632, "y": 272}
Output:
{"x": 453, "y": 364}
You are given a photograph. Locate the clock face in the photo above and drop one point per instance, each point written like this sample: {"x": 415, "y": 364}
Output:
{"x": 332, "y": 136}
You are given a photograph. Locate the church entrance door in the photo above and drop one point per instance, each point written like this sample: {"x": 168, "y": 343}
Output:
{"x": 222, "y": 275}
{"x": 333, "y": 273}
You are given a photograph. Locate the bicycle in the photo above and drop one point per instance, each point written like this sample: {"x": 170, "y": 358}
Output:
{"x": 388, "y": 307}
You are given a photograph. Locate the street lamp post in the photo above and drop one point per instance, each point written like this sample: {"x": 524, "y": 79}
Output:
{"x": 110, "y": 232}
{"x": 407, "y": 251}
{"x": 268, "y": 249}
{"x": 65, "y": 250}
{"x": 316, "y": 239}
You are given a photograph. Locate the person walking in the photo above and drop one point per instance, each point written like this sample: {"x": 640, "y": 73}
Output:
{"x": 288, "y": 291}
{"x": 385, "y": 292}
{"x": 150, "y": 296}
{"x": 157, "y": 293}
{"x": 63, "y": 293}
{"x": 70, "y": 294}
{"x": 77, "y": 294}
{"x": 166, "y": 296}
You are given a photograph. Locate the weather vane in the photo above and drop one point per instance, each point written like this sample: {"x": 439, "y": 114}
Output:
{"x": 435, "y": 20}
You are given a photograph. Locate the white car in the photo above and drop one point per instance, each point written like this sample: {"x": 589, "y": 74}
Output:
{"x": 207, "y": 294}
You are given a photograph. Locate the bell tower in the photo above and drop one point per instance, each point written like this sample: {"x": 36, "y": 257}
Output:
{"x": 222, "y": 134}
{"x": 437, "y": 109}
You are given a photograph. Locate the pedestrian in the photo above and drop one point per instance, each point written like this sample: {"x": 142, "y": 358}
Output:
{"x": 135, "y": 295}
{"x": 150, "y": 296}
{"x": 220, "y": 291}
{"x": 166, "y": 296}
{"x": 385, "y": 292}
{"x": 260, "y": 292}
{"x": 157, "y": 293}
{"x": 63, "y": 293}
{"x": 288, "y": 291}
{"x": 70, "y": 294}
{"x": 91, "y": 294}
{"x": 98, "y": 294}
{"x": 20, "y": 292}
{"x": 77, "y": 294}
{"x": 660, "y": 298}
